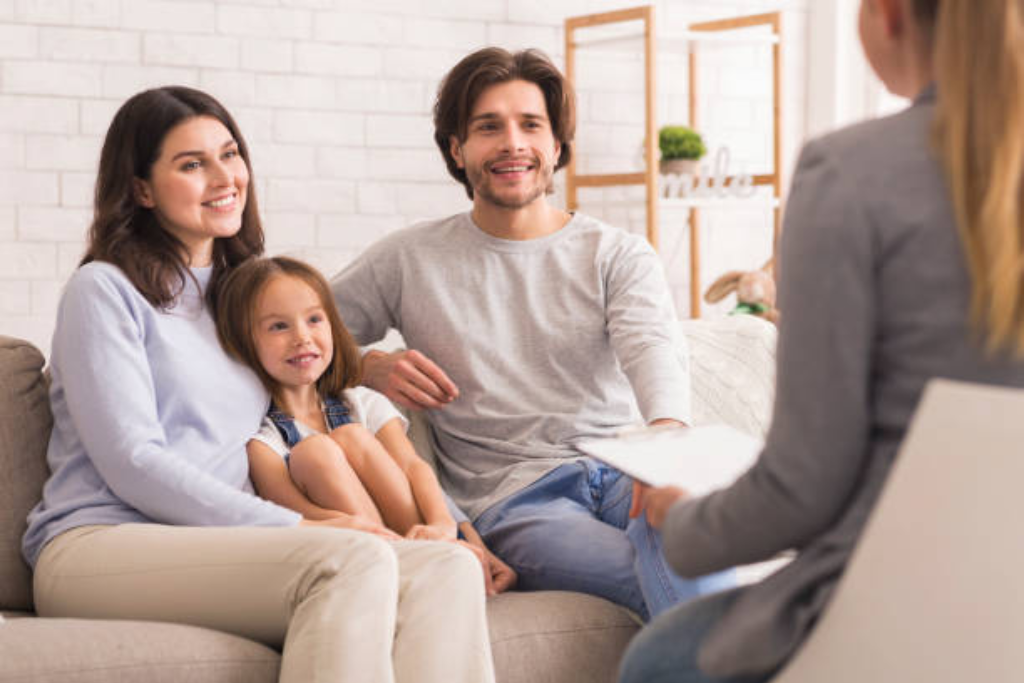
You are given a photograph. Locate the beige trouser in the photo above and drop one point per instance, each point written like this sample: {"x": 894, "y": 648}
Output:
{"x": 346, "y": 606}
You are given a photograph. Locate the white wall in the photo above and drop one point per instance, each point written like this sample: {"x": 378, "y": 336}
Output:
{"x": 334, "y": 99}
{"x": 844, "y": 87}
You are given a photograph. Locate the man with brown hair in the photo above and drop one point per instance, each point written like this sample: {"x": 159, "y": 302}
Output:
{"x": 529, "y": 328}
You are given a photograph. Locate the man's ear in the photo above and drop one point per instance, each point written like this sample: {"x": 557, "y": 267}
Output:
{"x": 143, "y": 193}
{"x": 455, "y": 147}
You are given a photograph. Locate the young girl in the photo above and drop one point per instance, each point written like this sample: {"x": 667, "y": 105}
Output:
{"x": 326, "y": 445}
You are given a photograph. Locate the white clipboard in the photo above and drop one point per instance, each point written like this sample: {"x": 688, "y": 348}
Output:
{"x": 697, "y": 459}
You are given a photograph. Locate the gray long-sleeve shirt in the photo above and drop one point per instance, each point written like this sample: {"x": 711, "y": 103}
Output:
{"x": 874, "y": 295}
{"x": 549, "y": 340}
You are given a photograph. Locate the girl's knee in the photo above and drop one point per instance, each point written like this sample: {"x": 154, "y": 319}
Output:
{"x": 353, "y": 433}
{"x": 318, "y": 450}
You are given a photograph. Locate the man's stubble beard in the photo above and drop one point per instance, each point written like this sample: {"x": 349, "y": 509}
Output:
{"x": 479, "y": 181}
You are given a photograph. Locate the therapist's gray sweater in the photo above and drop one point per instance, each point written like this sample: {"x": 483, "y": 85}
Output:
{"x": 874, "y": 296}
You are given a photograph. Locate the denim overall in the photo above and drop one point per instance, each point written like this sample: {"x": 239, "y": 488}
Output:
{"x": 336, "y": 414}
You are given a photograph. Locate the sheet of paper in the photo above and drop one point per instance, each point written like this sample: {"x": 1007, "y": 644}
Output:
{"x": 698, "y": 459}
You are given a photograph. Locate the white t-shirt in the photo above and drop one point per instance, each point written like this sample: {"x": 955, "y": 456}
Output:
{"x": 367, "y": 407}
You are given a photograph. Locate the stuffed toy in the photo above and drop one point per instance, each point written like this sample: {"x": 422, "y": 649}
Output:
{"x": 755, "y": 292}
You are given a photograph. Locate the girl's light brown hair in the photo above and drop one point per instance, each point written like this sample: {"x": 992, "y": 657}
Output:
{"x": 236, "y": 322}
{"x": 978, "y": 53}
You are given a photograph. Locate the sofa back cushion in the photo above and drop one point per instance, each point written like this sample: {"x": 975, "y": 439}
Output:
{"x": 732, "y": 371}
{"x": 25, "y": 423}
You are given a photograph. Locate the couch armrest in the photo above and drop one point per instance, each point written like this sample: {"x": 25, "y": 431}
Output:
{"x": 24, "y": 434}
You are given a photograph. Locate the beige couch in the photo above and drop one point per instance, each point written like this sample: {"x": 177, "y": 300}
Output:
{"x": 549, "y": 637}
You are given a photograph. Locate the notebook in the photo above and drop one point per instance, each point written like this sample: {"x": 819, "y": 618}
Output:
{"x": 697, "y": 459}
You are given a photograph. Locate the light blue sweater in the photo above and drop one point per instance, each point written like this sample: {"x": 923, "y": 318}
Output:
{"x": 151, "y": 417}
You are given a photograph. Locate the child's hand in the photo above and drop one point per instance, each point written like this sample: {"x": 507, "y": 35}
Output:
{"x": 503, "y": 576}
{"x": 484, "y": 566}
{"x": 431, "y": 532}
{"x": 498, "y": 576}
{"x": 355, "y": 523}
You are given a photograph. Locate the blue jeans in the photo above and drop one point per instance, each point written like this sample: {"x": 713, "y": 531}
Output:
{"x": 570, "y": 530}
{"x": 665, "y": 651}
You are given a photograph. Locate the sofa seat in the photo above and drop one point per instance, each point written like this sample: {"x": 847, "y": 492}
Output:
{"x": 541, "y": 637}
{"x": 535, "y": 637}
{"x": 93, "y": 651}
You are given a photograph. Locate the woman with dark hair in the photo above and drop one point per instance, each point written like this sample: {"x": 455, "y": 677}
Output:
{"x": 902, "y": 260}
{"x": 149, "y": 513}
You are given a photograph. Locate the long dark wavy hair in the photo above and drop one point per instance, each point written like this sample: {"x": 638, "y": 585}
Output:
{"x": 127, "y": 234}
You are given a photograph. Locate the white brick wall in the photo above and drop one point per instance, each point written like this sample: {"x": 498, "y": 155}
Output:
{"x": 334, "y": 98}
{"x": 88, "y": 45}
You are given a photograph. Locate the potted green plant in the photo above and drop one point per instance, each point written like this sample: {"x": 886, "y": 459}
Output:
{"x": 681, "y": 148}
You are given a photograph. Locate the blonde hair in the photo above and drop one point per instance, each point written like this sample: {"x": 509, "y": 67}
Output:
{"x": 979, "y": 135}
{"x": 236, "y": 325}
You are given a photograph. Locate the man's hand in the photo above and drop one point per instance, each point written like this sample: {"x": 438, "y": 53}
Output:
{"x": 408, "y": 378}
{"x": 655, "y": 502}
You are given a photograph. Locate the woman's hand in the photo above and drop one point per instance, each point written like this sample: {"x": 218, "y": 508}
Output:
{"x": 431, "y": 532}
{"x": 655, "y": 502}
{"x": 355, "y": 523}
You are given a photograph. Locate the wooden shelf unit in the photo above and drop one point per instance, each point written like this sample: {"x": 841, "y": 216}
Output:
{"x": 648, "y": 177}
{"x": 711, "y": 31}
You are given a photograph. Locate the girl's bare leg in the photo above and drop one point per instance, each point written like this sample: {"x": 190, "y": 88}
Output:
{"x": 381, "y": 476}
{"x": 319, "y": 466}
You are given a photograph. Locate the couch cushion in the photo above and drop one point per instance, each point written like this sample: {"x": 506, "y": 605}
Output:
{"x": 732, "y": 371}
{"x": 24, "y": 432}
{"x": 555, "y": 636}
{"x": 92, "y": 651}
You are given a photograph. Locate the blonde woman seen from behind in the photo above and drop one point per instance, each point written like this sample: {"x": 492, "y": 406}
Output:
{"x": 902, "y": 261}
